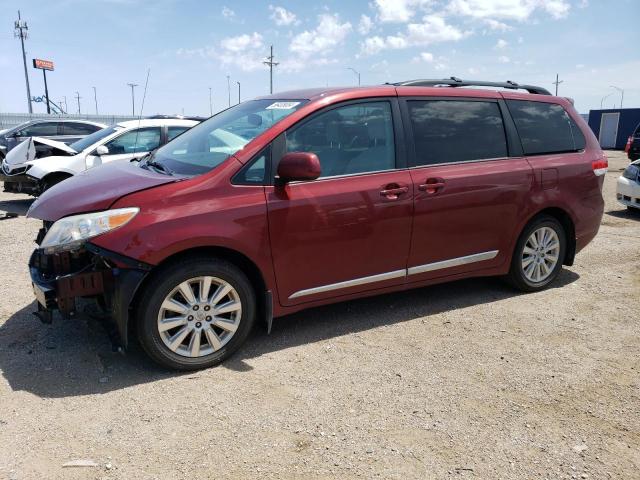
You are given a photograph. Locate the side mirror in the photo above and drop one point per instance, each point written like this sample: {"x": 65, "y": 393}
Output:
{"x": 299, "y": 166}
{"x": 102, "y": 150}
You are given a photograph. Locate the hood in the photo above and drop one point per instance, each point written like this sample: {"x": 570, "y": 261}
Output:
{"x": 95, "y": 189}
{"x": 28, "y": 150}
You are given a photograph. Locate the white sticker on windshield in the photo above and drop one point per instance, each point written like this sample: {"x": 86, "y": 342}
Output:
{"x": 282, "y": 105}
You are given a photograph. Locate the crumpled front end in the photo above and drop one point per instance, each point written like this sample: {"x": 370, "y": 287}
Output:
{"x": 61, "y": 279}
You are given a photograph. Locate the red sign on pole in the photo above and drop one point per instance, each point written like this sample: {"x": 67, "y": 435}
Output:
{"x": 42, "y": 64}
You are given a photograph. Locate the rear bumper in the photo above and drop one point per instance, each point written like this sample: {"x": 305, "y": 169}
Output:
{"x": 628, "y": 192}
{"x": 60, "y": 279}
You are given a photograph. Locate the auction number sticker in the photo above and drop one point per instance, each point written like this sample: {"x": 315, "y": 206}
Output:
{"x": 282, "y": 105}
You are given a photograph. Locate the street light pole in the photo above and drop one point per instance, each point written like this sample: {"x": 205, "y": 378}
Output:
{"x": 133, "y": 98}
{"x": 238, "y": 91}
{"x": 20, "y": 30}
{"x": 603, "y": 99}
{"x": 621, "y": 90}
{"x": 356, "y": 72}
{"x": 210, "y": 102}
{"x": 95, "y": 99}
{"x": 229, "y": 89}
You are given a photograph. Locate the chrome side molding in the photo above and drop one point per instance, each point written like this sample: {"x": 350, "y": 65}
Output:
{"x": 453, "y": 262}
{"x": 429, "y": 267}
{"x": 350, "y": 283}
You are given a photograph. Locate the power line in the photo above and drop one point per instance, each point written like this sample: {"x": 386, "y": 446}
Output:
{"x": 133, "y": 98}
{"x": 269, "y": 61}
{"x": 556, "y": 83}
{"x": 20, "y": 31}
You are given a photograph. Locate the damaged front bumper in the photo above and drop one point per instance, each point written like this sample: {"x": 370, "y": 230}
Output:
{"x": 59, "y": 279}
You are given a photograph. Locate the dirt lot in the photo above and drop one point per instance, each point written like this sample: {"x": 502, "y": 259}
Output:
{"x": 465, "y": 380}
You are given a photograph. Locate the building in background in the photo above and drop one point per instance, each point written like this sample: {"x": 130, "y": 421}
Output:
{"x": 612, "y": 127}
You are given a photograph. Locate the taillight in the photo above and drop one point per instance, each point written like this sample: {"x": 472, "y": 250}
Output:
{"x": 628, "y": 145}
{"x": 600, "y": 165}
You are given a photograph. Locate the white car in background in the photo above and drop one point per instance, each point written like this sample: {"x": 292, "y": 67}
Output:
{"x": 628, "y": 191}
{"x": 25, "y": 171}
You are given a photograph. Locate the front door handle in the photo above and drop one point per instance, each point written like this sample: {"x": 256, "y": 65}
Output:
{"x": 432, "y": 185}
{"x": 393, "y": 191}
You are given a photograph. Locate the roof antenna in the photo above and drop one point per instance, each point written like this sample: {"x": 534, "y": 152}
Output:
{"x": 144, "y": 95}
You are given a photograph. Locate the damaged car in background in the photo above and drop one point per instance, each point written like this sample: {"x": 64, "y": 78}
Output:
{"x": 39, "y": 163}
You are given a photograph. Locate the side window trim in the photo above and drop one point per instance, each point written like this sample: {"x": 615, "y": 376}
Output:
{"x": 398, "y": 137}
{"x": 409, "y": 136}
{"x": 266, "y": 152}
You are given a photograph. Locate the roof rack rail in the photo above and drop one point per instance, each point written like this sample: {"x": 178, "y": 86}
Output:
{"x": 456, "y": 82}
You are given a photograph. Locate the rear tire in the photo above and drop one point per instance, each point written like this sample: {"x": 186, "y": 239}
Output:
{"x": 208, "y": 329}
{"x": 539, "y": 254}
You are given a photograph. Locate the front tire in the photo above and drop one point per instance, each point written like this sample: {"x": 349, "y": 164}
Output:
{"x": 539, "y": 254}
{"x": 195, "y": 313}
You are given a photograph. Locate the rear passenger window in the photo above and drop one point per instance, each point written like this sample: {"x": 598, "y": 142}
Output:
{"x": 545, "y": 128}
{"x": 347, "y": 140}
{"x": 82, "y": 129}
{"x": 446, "y": 131}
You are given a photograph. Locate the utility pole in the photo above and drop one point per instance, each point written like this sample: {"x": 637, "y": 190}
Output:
{"x": 133, "y": 98}
{"x": 229, "y": 89}
{"x": 210, "y": 102}
{"x": 78, "y": 97}
{"x": 356, "y": 72}
{"x": 20, "y": 31}
{"x": 556, "y": 83}
{"x": 621, "y": 90}
{"x": 95, "y": 99}
{"x": 270, "y": 63}
{"x": 238, "y": 92}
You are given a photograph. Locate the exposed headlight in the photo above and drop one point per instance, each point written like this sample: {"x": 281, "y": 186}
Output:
{"x": 71, "y": 232}
{"x": 631, "y": 172}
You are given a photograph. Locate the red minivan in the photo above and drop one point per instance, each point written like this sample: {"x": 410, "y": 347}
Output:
{"x": 311, "y": 197}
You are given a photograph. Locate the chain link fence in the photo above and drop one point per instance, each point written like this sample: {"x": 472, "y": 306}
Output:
{"x": 8, "y": 120}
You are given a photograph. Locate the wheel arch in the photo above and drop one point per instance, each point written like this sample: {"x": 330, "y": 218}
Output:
{"x": 568, "y": 225}
{"x": 240, "y": 260}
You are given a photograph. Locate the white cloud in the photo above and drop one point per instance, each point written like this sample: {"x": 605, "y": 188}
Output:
{"x": 519, "y": 10}
{"x": 426, "y": 57}
{"x": 504, "y": 59}
{"x": 433, "y": 29}
{"x": 243, "y": 51}
{"x": 441, "y": 66}
{"x": 497, "y": 26}
{"x": 501, "y": 44}
{"x": 520, "y": 40}
{"x": 397, "y": 11}
{"x": 282, "y": 17}
{"x": 228, "y": 13}
{"x": 365, "y": 25}
{"x": 325, "y": 37}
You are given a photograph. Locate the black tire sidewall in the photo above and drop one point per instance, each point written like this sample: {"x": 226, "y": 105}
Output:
{"x": 159, "y": 287}
{"x": 516, "y": 274}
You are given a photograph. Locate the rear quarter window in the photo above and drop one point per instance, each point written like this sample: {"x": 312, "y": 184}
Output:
{"x": 545, "y": 128}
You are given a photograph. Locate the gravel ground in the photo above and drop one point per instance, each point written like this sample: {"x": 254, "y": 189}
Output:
{"x": 464, "y": 380}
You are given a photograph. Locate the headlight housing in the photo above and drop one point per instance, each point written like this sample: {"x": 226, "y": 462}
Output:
{"x": 69, "y": 233}
{"x": 631, "y": 172}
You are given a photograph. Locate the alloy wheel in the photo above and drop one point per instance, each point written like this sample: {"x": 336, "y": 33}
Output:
{"x": 540, "y": 254}
{"x": 199, "y": 316}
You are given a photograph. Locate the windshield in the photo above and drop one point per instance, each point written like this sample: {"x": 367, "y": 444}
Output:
{"x": 208, "y": 144}
{"x": 89, "y": 140}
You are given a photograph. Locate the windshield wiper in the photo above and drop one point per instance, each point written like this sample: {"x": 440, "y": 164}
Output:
{"x": 158, "y": 166}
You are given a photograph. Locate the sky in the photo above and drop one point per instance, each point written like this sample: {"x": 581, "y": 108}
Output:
{"x": 190, "y": 46}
